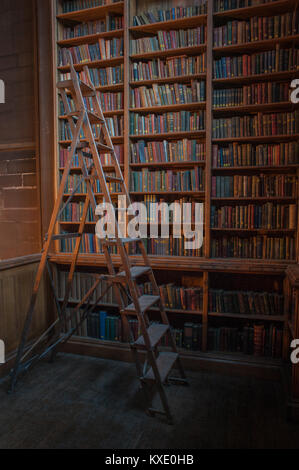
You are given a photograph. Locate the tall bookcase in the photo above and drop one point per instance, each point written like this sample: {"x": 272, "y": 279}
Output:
{"x": 195, "y": 79}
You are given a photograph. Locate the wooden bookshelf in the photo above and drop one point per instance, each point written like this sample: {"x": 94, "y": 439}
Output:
{"x": 204, "y": 267}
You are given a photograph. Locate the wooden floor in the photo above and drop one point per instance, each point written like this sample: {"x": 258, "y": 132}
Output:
{"x": 81, "y": 402}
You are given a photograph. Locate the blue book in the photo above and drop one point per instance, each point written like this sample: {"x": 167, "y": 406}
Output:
{"x": 103, "y": 316}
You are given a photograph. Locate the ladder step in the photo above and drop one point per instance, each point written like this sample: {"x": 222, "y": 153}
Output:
{"x": 155, "y": 333}
{"x": 104, "y": 147}
{"x": 65, "y": 236}
{"x": 145, "y": 302}
{"x": 93, "y": 118}
{"x": 68, "y": 84}
{"x": 114, "y": 179}
{"x": 165, "y": 363}
{"x": 136, "y": 271}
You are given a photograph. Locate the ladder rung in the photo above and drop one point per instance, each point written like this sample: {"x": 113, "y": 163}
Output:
{"x": 65, "y": 236}
{"x": 165, "y": 363}
{"x": 114, "y": 179}
{"x": 93, "y": 118}
{"x": 68, "y": 84}
{"x": 145, "y": 303}
{"x": 87, "y": 155}
{"x": 104, "y": 147}
{"x": 136, "y": 271}
{"x": 155, "y": 333}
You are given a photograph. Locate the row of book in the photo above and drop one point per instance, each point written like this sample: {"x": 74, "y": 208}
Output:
{"x": 106, "y": 158}
{"x": 168, "y": 67}
{"x": 256, "y": 29}
{"x": 93, "y": 27}
{"x": 168, "y": 180}
{"x": 268, "y": 216}
{"x": 115, "y": 125}
{"x": 166, "y": 40}
{"x": 109, "y": 102}
{"x": 168, "y": 151}
{"x": 276, "y": 60}
{"x": 112, "y": 101}
{"x": 176, "y": 297}
{"x": 75, "y": 181}
{"x": 88, "y": 244}
{"x": 260, "y": 124}
{"x": 167, "y": 247}
{"x": 100, "y": 77}
{"x": 100, "y": 325}
{"x": 74, "y": 5}
{"x": 73, "y": 212}
{"x": 253, "y": 186}
{"x": 175, "y": 13}
{"x": 257, "y": 340}
{"x": 165, "y": 209}
{"x": 182, "y": 121}
{"x": 169, "y": 94}
{"x": 224, "y": 5}
{"x": 284, "y": 153}
{"x": 257, "y": 93}
{"x": 246, "y": 302}
{"x": 104, "y": 49}
{"x": 258, "y": 247}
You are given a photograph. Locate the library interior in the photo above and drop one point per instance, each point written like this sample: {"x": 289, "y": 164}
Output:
{"x": 149, "y": 235}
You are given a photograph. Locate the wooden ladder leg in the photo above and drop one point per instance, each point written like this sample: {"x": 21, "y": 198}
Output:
{"x": 160, "y": 387}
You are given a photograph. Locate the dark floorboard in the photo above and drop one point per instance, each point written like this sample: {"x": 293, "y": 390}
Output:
{"x": 81, "y": 403}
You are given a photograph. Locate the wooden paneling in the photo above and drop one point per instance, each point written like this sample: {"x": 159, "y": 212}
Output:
{"x": 19, "y": 182}
{"x": 15, "y": 292}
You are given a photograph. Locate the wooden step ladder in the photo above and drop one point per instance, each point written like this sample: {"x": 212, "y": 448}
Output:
{"x": 157, "y": 366}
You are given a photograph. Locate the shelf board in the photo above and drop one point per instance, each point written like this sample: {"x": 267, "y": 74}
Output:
{"x": 261, "y": 231}
{"x": 257, "y": 77}
{"x": 168, "y": 135}
{"x": 89, "y": 14}
{"x": 185, "y": 263}
{"x": 112, "y": 112}
{"x": 83, "y": 195}
{"x": 90, "y": 38}
{"x": 105, "y": 168}
{"x": 93, "y": 64}
{"x": 253, "y": 199}
{"x": 279, "y": 6}
{"x": 112, "y": 87}
{"x": 253, "y": 46}
{"x": 200, "y": 194}
{"x": 171, "y": 107}
{"x": 115, "y": 140}
{"x": 278, "y": 318}
{"x": 168, "y": 164}
{"x": 188, "y": 22}
{"x": 279, "y": 168}
{"x": 177, "y": 79}
{"x": 254, "y": 108}
{"x": 259, "y": 139}
{"x": 191, "y": 50}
